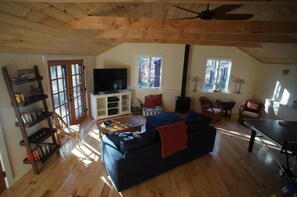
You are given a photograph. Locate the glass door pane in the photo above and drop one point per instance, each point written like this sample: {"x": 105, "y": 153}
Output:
{"x": 68, "y": 90}
{"x": 59, "y": 90}
{"x": 78, "y": 90}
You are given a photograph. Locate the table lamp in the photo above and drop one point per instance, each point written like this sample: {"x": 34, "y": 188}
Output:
{"x": 196, "y": 80}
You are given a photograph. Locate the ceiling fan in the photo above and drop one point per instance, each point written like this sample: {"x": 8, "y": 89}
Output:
{"x": 219, "y": 13}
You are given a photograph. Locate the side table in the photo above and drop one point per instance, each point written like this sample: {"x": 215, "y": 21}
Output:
{"x": 227, "y": 106}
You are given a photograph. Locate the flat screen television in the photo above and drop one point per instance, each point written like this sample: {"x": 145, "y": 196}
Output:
{"x": 109, "y": 79}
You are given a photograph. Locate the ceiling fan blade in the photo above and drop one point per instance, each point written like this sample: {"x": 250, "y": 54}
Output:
{"x": 233, "y": 17}
{"x": 186, "y": 9}
{"x": 194, "y": 17}
{"x": 223, "y": 9}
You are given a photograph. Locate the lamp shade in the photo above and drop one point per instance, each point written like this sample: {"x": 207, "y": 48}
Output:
{"x": 196, "y": 79}
{"x": 238, "y": 80}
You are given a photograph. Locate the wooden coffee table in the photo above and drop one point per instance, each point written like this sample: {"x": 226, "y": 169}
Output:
{"x": 126, "y": 124}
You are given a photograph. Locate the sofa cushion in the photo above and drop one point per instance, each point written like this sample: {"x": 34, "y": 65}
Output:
{"x": 198, "y": 123}
{"x": 253, "y": 105}
{"x": 251, "y": 114}
{"x": 116, "y": 138}
{"x": 214, "y": 109}
{"x": 163, "y": 119}
{"x": 192, "y": 115}
{"x": 138, "y": 140}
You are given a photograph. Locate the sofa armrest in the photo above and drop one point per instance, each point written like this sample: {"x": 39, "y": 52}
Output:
{"x": 108, "y": 147}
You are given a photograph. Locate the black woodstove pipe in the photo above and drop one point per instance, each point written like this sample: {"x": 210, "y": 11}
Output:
{"x": 183, "y": 103}
{"x": 185, "y": 70}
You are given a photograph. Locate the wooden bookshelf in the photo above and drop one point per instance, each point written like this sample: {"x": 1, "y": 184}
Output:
{"x": 33, "y": 141}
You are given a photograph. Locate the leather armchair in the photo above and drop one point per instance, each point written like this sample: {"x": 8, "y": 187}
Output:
{"x": 251, "y": 109}
{"x": 212, "y": 110}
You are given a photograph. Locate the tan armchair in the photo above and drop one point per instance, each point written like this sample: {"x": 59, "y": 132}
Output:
{"x": 72, "y": 131}
{"x": 212, "y": 110}
{"x": 251, "y": 109}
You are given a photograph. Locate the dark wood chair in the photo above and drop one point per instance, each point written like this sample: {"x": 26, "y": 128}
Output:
{"x": 212, "y": 110}
{"x": 251, "y": 109}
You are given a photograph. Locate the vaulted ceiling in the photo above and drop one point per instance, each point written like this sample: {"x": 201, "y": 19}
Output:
{"x": 91, "y": 27}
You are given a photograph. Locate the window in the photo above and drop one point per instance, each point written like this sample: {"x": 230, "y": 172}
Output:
{"x": 149, "y": 72}
{"x": 217, "y": 75}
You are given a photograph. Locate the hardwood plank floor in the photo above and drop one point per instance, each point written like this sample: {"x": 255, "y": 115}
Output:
{"x": 230, "y": 170}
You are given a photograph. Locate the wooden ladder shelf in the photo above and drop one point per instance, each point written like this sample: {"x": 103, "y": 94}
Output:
{"x": 38, "y": 151}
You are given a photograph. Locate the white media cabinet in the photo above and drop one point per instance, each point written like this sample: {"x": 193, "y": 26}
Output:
{"x": 106, "y": 105}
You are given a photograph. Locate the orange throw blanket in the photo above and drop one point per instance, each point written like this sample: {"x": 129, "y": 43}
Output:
{"x": 174, "y": 137}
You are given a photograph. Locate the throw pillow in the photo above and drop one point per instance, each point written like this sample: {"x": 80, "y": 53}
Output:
{"x": 136, "y": 103}
{"x": 158, "y": 98}
{"x": 253, "y": 106}
{"x": 161, "y": 119}
{"x": 149, "y": 102}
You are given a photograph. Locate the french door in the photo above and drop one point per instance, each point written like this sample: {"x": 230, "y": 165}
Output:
{"x": 68, "y": 89}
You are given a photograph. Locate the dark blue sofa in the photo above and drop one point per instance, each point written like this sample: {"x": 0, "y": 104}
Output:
{"x": 131, "y": 163}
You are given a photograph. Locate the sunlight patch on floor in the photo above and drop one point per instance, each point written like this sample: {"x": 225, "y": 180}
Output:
{"x": 93, "y": 149}
{"x": 247, "y": 137}
{"x": 85, "y": 154}
{"x": 234, "y": 134}
{"x": 94, "y": 135}
{"x": 265, "y": 155}
{"x": 95, "y": 130}
{"x": 104, "y": 179}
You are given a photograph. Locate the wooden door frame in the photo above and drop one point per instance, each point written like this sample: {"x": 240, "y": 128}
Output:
{"x": 69, "y": 82}
{"x": 5, "y": 161}
{"x": 3, "y": 184}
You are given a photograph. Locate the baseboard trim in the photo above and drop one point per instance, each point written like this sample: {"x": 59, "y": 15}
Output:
{"x": 22, "y": 173}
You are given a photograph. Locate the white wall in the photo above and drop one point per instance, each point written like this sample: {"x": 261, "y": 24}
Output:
{"x": 277, "y": 88}
{"x": 125, "y": 56}
{"x": 173, "y": 56}
{"x": 12, "y": 134}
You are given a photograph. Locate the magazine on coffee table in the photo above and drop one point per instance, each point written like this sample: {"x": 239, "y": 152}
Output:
{"x": 108, "y": 123}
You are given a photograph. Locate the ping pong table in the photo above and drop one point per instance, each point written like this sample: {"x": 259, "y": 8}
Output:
{"x": 278, "y": 131}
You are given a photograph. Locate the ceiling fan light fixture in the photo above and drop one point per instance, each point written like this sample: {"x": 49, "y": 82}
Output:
{"x": 219, "y": 13}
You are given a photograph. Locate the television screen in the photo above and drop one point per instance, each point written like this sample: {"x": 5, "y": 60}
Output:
{"x": 109, "y": 79}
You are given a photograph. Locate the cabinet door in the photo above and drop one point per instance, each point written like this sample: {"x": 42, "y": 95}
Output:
{"x": 125, "y": 103}
{"x": 101, "y": 106}
{"x": 68, "y": 89}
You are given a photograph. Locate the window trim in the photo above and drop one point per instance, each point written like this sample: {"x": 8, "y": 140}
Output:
{"x": 161, "y": 72}
{"x": 205, "y": 67}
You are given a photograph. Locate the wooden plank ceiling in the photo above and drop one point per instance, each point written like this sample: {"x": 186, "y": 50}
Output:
{"x": 91, "y": 27}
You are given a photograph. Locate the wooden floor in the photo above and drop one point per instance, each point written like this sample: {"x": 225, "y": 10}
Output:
{"x": 230, "y": 170}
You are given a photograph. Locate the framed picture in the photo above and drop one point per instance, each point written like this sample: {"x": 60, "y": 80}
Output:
{"x": 26, "y": 74}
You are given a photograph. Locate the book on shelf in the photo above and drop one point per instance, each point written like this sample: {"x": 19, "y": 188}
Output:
{"x": 27, "y": 156}
{"x": 19, "y": 97}
{"x": 35, "y": 156}
{"x": 30, "y": 117}
{"x": 41, "y": 151}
